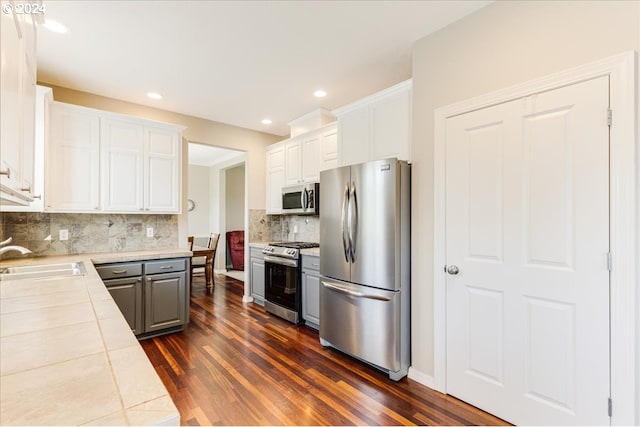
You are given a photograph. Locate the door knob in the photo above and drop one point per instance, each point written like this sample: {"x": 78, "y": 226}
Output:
{"x": 453, "y": 270}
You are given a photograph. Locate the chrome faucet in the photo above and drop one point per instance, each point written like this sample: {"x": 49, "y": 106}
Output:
{"x": 20, "y": 249}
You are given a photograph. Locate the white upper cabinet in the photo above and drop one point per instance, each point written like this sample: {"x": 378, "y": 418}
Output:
{"x": 122, "y": 163}
{"x": 17, "y": 106}
{"x": 72, "y": 160}
{"x": 293, "y": 161}
{"x": 139, "y": 163}
{"x": 310, "y": 159}
{"x": 275, "y": 177}
{"x": 162, "y": 158}
{"x": 329, "y": 147}
{"x": 376, "y": 127}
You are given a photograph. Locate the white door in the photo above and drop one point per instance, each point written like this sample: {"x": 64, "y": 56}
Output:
{"x": 528, "y": 229}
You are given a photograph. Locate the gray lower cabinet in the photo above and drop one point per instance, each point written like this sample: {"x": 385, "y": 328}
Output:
{"x": 152, "y": 295}
{"x": 257, "y": 275}
{"x": 311, "y": 290}
{"x": 164, "y": 296}
{"x": 127, "y": 293}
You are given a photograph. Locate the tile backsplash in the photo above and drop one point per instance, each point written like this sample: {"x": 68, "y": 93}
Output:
{"x": 88, "y": 233}
{"x": 270, "y": 228}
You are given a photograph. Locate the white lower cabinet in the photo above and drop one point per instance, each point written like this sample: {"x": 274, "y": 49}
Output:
{"x": 105, "y": 162}
{"x": 257, "y": 275}
{"x": 311, "y": 290}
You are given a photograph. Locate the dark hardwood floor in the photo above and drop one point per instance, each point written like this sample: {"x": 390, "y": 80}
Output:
{"x": 234, "y": 364}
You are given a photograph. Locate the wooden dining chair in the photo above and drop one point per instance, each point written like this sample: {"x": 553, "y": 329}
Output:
{"x": 190, "y": 240}
{"x": 200, "y": 262}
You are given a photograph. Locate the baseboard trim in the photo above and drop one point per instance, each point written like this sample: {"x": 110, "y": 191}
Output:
{"x": 422, "y": 378}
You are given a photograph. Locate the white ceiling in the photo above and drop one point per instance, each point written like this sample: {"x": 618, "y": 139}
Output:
{"x": 238, "y": 62}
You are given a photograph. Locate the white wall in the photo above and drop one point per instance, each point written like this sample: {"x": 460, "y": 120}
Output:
{"x": 503, "y": 44}
{"x": 234, "y": 198}
{"x": 199, "y": 218}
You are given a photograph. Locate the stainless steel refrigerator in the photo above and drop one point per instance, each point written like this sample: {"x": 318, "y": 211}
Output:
{"x": 365, "y": 263}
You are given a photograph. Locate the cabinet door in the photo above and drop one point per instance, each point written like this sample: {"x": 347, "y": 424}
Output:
{"x": 329, "y": 148}
{"x": 122, "y": 147}
{"x": 257, "y": 279}
{"x": 275, "y": 179}
{"x": 354, "y": 137}
{"x": 11, "y": 135}
{"x": 72, "y": 182}
{"x": 311, "y": 158}
{"x": 127, "y": 293}
{"x": 162, "y": 170}
{"x": 311, "y": 297}
{"x": 391, "y": 127}
{"x": 293, "y": 162}
{"x": 164, "y": 301}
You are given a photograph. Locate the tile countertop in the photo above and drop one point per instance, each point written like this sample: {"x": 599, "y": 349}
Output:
{"x": 67, "y": 355}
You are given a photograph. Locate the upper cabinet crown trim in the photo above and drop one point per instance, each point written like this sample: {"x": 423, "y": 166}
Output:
{"x": 371, "y": 99}
{"x": 121, "y": 116}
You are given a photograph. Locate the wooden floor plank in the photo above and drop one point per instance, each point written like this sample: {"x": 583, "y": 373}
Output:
{"x": 235, "y": 364}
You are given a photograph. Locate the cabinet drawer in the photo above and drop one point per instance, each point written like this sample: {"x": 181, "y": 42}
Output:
{"x": 117, "y": 271}
{"x": 165, "y": 266}
{"x": 310, "y": 262}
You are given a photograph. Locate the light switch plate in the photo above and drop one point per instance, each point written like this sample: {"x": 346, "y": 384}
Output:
{"x": 64, "y": 234}
{"x": 149, "y": 231}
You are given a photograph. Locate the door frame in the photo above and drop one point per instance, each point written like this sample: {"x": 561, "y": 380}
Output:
{"x": 624, "y": 223}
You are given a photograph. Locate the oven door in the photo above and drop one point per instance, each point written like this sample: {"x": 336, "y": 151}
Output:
{"x": 282, "y": 282}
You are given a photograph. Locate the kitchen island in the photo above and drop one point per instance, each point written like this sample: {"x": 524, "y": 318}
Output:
{"x": 67, "y": 355}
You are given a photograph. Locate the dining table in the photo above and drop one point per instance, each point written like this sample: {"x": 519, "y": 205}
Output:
{"x": 203, "y": 251}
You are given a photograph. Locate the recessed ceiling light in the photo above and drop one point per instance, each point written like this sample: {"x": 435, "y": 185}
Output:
{"x": 266, "y": 121}
{"x": 154, "y": 95}
{"x": 320, "y": 93}
{"x": 55, "y": 26}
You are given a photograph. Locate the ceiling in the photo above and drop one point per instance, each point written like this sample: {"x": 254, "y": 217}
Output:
{"x": 238, "y": 62}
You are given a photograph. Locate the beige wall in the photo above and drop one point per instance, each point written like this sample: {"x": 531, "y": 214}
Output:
{"x": 503, "y": 44}
{"x": 200, "y": 217}
{"x": 234, "y": 198}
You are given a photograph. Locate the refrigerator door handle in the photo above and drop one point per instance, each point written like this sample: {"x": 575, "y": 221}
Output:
{"x": 345, "y": 225}
{"x": 349, "y": 292}
{"x": 353, "y": 221}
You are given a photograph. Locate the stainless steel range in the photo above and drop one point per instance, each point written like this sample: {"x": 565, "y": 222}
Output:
{"x": 282, "y": 279}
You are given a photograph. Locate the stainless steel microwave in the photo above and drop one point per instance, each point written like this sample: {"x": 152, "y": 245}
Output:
{"x": 303, "y": 199}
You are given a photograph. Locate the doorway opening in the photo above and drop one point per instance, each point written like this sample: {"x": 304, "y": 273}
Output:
{"x": 217, "y": 203}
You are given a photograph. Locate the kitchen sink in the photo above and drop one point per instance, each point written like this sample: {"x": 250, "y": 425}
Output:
{"x": 42, "y": 271}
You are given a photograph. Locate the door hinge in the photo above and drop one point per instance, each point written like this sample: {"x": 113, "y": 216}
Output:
{"x": 610, "y": 407}
{"x": 609, "y": 117}
{"x": 609, "y": 261}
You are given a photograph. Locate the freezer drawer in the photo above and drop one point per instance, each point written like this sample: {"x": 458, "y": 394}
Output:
{"x": 361, "y": 321}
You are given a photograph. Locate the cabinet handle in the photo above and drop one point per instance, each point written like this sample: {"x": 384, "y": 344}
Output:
{"x": 6, "y": 172}
{"x": 316, "y": 264}
{"x": 166, "y": 267}
{"x": 38, "y": 196}
{"x": 27, "y": 189}
{"x": 119, "y": 271}
{"x": 97, "y": 207}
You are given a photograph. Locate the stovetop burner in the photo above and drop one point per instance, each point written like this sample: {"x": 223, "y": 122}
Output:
{"x": 296, "y": 245}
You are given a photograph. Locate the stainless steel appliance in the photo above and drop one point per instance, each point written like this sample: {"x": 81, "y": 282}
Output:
{"x": 365, "y": 263}
{"x": 282, "y": 279}
{"x": 301, "y": 199}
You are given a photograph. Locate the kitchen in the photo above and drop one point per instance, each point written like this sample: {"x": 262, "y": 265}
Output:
{"x": 438, "y": 80}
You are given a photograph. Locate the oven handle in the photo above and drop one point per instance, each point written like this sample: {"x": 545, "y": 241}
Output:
{"x": 281, "y": 261}
{"x": 342, "y": 290}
